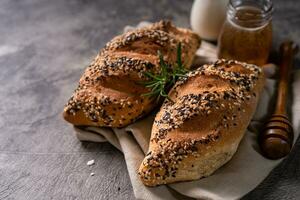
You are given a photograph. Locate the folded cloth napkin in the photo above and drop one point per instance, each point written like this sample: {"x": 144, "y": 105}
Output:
{"x": 239, "y": 176}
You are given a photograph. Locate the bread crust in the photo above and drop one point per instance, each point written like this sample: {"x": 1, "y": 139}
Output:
{"x": 110, "y": 91}
{"x": 201, "y": 129}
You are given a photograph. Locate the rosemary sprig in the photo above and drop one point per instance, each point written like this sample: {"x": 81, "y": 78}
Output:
{"x": 161, "y": 83}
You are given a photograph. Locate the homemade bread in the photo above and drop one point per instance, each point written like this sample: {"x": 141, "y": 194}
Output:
{"x": 200, "y": 129}
{"x": 110, "y": 90}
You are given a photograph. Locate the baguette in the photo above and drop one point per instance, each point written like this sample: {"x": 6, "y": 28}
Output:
{"x": 200, "y": 129}
{"x": 110, "y": 91}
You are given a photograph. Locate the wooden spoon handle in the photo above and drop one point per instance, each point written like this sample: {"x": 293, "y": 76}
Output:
{"x": 287, "y": 52}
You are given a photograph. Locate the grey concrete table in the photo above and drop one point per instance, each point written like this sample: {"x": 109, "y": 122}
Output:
{"x": 44, "y": 48}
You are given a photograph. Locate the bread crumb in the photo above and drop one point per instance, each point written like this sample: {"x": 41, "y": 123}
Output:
{"x": 90, "y": 162}
{"x": 92, "y": 174}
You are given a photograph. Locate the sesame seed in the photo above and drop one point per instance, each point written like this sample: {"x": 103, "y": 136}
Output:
{"x": 90, "y": 162}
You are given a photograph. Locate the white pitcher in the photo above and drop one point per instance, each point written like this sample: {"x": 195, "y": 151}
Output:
{"x": 207, "y": 17}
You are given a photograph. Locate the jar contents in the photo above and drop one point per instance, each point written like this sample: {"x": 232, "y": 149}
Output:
{"x": 246, "y": 35}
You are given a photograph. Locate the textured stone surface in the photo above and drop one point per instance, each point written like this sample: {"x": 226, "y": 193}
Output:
{"x": 44, "y": 48}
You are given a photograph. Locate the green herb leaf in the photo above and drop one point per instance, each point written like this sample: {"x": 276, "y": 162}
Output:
{"x": 161, "y": 83}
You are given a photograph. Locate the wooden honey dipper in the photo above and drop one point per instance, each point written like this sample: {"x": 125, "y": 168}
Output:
{"x": 277, "y": 137}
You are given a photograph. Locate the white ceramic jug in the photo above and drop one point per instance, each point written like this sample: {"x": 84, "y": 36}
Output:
{"x": 207, "y": 17}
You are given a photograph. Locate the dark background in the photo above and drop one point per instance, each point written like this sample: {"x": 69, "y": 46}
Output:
{"x": 44, "y": 48}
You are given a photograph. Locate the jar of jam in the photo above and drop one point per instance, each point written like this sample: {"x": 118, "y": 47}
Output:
{"x": 247, "y": 31}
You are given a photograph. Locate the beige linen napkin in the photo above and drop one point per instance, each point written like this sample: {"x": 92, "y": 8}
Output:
{"x": 240, "y": 175}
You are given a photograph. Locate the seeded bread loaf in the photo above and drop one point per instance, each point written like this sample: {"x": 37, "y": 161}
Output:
{"x": 110, "y": 91}
{"x": 201, "y": 129}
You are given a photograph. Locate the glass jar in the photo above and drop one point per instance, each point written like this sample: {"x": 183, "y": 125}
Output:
{"x": 247, "y": 31}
